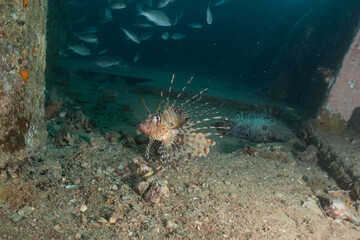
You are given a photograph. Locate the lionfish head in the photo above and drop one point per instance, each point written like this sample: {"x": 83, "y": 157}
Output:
{"x": 145, "y": 125}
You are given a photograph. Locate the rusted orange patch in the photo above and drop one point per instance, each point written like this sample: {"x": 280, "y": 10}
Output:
{"x": 25, "y": 3}
{"x": 25, "y": 75}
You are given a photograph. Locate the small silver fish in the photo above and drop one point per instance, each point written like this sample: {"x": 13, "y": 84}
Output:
{"x": 117, "y": 4}
{"x": 136, "y": 57}
{"x": 143, "y": 25}
{"x": 195, "y": 25}
{"x": 155, "y": 16}
{"x": 81, "y": 19}
{"x": 178, "y": 36}
{"x": 105, "y": 16}
{"x": 89, "y": 29}
{"x": 220, "y": 2}
{"x": 102, "y": 51}
{"x": 88, "y": 37}
{"x": 209, "y": 16}
{"x": 163, "y": 3}
{"x": 145, "y": 36}
{"x": 80, "y": 49}
{"x": 165, "y": 36}
{"x": 131, "y": 36}
{"x": 108, "y": 13}
{"x": 106, "y": 62}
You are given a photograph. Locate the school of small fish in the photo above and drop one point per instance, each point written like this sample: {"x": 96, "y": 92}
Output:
{"x": 153, "y": 19}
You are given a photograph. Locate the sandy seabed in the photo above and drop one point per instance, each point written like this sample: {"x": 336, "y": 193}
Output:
{"x": 89, "y": 183}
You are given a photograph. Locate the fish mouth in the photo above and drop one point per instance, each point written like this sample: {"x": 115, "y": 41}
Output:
{"x": 143, "y": 129}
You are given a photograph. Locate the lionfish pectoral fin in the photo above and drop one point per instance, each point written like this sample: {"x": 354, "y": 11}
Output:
{"x": 195, "y": 144}
{"x": 148, "y": 149}
{"x": 166, "y": 152}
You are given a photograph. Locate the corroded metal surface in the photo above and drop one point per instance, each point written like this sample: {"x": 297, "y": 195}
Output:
{"x": 22, "y": 80}
{"x": 344, "y": 96}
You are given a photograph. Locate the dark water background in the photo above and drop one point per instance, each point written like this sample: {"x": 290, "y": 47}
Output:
{"x": 243, "y": 39}
{"x": 253, "y": 41}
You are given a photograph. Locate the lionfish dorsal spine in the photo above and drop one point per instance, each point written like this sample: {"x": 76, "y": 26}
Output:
{"x": 205, "y": 120}
{"x": 193, "y": 99}
{"x": 182, "y": 91}
{"x": 193, "y": 113}
{"x": 191, "y": 130}
{"x": 171, "y": 84}
{"x": 162, "y": 100}
{"x": 148, "y": 148}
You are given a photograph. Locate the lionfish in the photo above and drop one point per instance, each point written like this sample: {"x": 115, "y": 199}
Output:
{"x": 173, "y": 128}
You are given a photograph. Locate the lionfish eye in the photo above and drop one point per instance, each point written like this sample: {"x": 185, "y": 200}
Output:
{"x": 157, "y": 118}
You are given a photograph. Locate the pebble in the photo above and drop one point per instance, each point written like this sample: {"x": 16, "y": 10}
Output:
{"x": 311, "y": 204}
{"x": 83, "y": 208}
{"x": 170, "y": 224}
{"x": 78, "y": 236}
{"x": 3, "y": 177}
{"x": 15, "y": 217}
{"x": 95, "y": 143}
{"x": 71, "y": 186}
{"x": 126, "y": 197}
{"x": 62, "y": 114}
{"x": 115, "y": 216}
{"x": 26, "y": 211}
{"x": 142, "y": 187}
{"x": 103, "y": 221}
{"x": 57, "y": 228}
{"x": 110, "y": 170}
{"x": 114, "y": 187}
{"x": 85, "y": 165}
{"x": 112, "y": 220}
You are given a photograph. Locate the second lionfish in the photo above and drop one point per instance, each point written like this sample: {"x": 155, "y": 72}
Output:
{"x": 172, "y": 129}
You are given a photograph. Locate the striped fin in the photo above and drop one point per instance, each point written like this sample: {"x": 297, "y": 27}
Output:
{"x": 202, "y": 128}
{"x": 200, "y": 113}
{"x": 162, "y": 99}
{"x": 152, "y": 149}
{"x": 167, "y": 152}
{"x": 204, "y": 120}
{"x": 148, "y": 149}
{"x": 198, "y": 95}
{"x": 182, "y": 91}
{"x": 196, "y": 145}
{"x": 199, "y": 106}
{"x": 171, "y": 84}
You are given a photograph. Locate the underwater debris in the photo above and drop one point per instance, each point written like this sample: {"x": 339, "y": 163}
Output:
{"x": 310, "y": 155}
{"x": 338, "y": 210}
{"x": 156, "y": 191}
{"x": 174, "y": 129}
{"x": 150, "y": 186}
